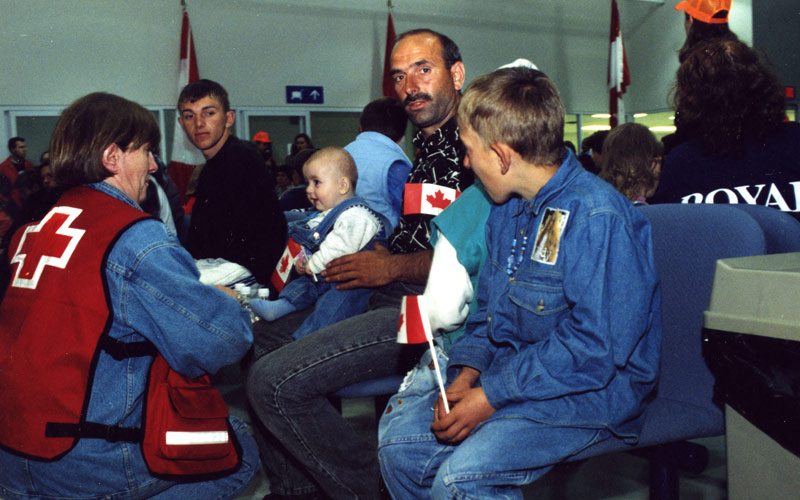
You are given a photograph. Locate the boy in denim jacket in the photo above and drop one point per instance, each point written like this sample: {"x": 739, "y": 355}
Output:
{"x": 342, "y": 224}
{"x": 562, "y": 351}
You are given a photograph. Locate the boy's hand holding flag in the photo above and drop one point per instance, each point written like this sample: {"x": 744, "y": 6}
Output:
{"x": 414, "y": 328}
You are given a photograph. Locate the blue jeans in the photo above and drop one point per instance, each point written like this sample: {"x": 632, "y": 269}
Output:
{"x": 309, "y": 445}
{"x": 502, "y": 453}
{"x": 63, "y": 479}
{"x": 330, "y": 305}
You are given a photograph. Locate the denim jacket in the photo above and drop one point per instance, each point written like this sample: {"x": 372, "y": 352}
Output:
{"x": 311, "y": 238}
{"x": 155, "y": 295}
{"x": 568, "y": 325}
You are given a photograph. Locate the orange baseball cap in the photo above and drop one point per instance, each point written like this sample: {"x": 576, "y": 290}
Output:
{"x": 704, "y": 10}
{"x": 261, "y": 137}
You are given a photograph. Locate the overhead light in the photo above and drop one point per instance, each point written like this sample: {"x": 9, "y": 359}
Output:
{"x": 601, "y": 115}
{"x": 672, "y": 118}
{"x": 596, "y": 127}
{"x": 639, "y": 115}
{"x": 663, "y": 128}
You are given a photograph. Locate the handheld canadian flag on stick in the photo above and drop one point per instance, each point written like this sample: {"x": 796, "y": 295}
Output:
{"x": 415, "y": 328}
{"x": 618, "y": 75}
{"x": 281, "y": 273}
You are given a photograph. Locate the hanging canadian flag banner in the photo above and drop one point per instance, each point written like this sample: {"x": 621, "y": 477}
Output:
{"x": 281, "y": 274}
{"x": 618, "y": 74}
{"x": 185, "y": 156}
{"x": 428, "y": 199}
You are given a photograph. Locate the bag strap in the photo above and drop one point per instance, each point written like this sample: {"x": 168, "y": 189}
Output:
{"x": 110, "y": 433}
{"x": 123, "y": 350}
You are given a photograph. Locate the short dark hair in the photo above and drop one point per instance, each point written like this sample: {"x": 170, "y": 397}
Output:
{"x": 91, "y": 124}
{"x": 204, "y": 88}
{"x": 595, "y": 142}
{"x": 12, "y": 143}
{"x": 450, "y": 52}
{"x": 519, "y": 107}
{"x": 385, "y": 116}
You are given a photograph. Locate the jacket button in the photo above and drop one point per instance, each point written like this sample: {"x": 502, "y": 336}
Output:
{"x": 540, "y": 307}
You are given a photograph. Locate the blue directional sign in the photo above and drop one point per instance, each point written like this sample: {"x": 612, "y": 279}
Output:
{"x": 304, "y": 94}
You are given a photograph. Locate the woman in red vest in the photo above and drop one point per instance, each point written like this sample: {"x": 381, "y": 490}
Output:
{"x": 97, "y": 289}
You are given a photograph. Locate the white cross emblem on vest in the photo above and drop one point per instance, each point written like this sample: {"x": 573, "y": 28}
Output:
{"x": 30, "y": 279}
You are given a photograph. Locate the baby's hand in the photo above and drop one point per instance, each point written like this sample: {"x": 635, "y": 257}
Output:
{"x": 300, "y": 266}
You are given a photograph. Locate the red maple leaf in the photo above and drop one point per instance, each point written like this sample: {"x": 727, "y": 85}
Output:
{"x": 400, "y": 323}
{"x": 438, "y": 200}
{"x": 284, "y": 264}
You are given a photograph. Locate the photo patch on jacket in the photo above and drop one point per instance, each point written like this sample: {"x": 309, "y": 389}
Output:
{"x": 548, "y": 237}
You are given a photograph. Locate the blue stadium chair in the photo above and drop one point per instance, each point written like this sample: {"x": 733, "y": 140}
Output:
{"x": 780, "y": 229}
{"x": 688, "y": 240}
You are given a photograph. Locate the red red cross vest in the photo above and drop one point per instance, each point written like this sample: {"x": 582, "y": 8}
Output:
{"x": 54, "y": 314}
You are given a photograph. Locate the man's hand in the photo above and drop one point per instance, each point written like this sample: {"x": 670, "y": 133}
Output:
{"x": 365, "y": 269}
{"x": 468, "y": 408}
{"x": 374, "y": 268}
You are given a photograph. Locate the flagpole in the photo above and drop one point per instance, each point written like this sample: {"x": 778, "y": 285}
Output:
{"x": 426, "y": 325}
{"x": 438, "y": 374}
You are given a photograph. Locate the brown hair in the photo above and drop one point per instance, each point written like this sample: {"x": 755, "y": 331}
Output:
{"x": 519, "y": 107}
{"x": 91, "y": 124}
{"x": 199, "y": 89}
{"x": 701, "y": 32}
{"x": 725, "y": 95}
{"x": 628, "y": 154}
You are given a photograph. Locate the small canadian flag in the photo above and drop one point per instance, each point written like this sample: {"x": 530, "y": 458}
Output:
{"x": 281, "y": 274}
{"x": 431, "y": 199}
{"x": 413, "y": 327}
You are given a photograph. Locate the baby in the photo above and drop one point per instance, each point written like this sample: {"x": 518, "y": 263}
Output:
{"x": 342, "y": 224}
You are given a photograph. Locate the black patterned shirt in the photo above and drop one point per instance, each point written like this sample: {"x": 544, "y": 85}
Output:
{"x": 439, "y": 160}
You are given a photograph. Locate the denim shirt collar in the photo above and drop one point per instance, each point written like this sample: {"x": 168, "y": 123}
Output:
{"x": 566, "y": 173}
{"x": 112, "y": 191}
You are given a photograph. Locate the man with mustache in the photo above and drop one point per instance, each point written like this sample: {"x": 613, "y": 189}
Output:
{"x": 309, "y": 449}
